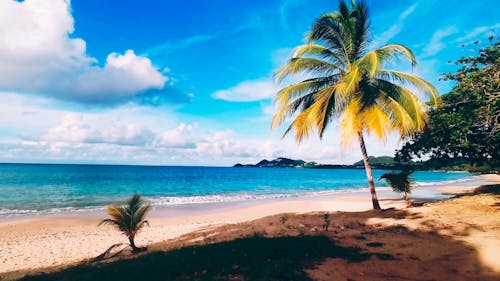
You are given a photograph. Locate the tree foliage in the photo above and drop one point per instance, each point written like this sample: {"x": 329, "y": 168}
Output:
{"x": 465, "y": 128}
{"x": 400, "y": 182}
{"x": 335, "y": 77}
{"x": 129, "y": 218}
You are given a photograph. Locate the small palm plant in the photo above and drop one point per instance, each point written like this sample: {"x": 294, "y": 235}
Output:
{"x": 129, "y": 218}
{"x": 400, "y": 182}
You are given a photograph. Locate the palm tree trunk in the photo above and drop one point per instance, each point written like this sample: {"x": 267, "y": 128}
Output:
{"x": 132, "y": 242}
{"x": 407, "y": 199}
{"x": 368, "y": 170}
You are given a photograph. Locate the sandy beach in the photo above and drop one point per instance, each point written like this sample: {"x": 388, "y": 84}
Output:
{"x": 30, "y": 244}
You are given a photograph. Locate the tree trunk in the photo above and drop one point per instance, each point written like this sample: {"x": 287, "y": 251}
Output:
{"x": 132, "y": 243}
{"x": 407, "y": 199}
{"x": 368, "y": 170}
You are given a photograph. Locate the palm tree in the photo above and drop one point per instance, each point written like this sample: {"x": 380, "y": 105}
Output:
{"x": 129, "y": 218}
{"x": 343, "y": 81}
{"x": 400, "y": 182}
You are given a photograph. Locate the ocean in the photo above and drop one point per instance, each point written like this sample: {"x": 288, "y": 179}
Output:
{"x": 37, "y": 189}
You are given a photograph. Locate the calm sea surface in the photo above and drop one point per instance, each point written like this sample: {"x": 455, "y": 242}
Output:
{"x": 44, "y": 189}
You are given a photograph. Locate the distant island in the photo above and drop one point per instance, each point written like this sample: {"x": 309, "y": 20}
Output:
{"x": 381, "y": 162}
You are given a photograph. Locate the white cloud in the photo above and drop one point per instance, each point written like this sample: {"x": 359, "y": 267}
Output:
{"x": 408, "y": 12}
{"x": 169, "y": 47}
{"x": 436, "y": 44}
{"x": 142, "y": 135}
{"x": 269, "y": 109}
{"x": 280, "y": 56}
{"x": 30, "y": 116}
{"x": 224, "y": 144}
{"x": 247, "y": 91}
{"x": 180, "y": 137}
{"x": 481, "y": 32}
{"x": 394, "y": 29}
{"x": 283, "y": 10}
{"x": 122, "y": 76}
{"x": 37, "y": 55}
{"x": 75, "y": 129}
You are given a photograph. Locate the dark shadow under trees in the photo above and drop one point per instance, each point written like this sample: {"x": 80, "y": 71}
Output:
{"x": 254, "y": 258}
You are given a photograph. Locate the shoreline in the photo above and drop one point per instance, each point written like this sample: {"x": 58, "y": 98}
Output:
{"x": 33, "y": 243}
{"x": 423, "y": 190}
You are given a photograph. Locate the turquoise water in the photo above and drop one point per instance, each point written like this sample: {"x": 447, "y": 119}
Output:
{"x": 43, "y": 189}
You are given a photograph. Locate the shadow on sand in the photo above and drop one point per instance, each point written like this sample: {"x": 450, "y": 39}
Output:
{"x": 254, "y": 258}
{"x": 358, "y": 246}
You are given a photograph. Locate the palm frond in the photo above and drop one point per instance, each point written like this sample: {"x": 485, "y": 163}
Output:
{"x": 328, "y": 30}
{"x": 348, "y": 85}
{"x": 302, "y": 125}
{"x": 290, "y": 98}
{"x": 390, "y": 51}
{"x": 293, "y": 91}
{"x": 407, "y": 79}
{"x": 410, "y": 113}
{"x": 140, "y": 214}
{"x": 361, "y": 26}
{"x": 400, "y": 182}
{"x": 128, "y": 218}
{"x": 307, "y": 66}
{"x": 363, "y": 95}
{"x": 399, "y": 116}
{"x": 108, "y": 221}
{"x": 350, "y": 123}
{"x": 377, "y": 121}
{"x": 317, "y": 50}
{"x": 142, "y": 224}
{"x": 370, "y": 63}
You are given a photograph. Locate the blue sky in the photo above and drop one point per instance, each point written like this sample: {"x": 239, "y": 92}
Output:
{"x": 164, "y": 82}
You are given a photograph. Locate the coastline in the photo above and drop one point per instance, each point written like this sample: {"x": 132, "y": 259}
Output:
{"x": 182, "y": 205}
{"x": 32, "y": 243}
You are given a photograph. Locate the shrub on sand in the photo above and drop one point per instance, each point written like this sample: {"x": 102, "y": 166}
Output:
{"x": 400, "y": 182}
{"x": 129, "y": 218}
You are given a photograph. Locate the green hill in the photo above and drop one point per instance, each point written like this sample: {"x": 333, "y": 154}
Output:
{"x": 374, "y": 160}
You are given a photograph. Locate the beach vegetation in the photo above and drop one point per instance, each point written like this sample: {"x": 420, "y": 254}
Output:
{"x": 340, "y": 79}
{"x": 464, "y": 131}
{"x": 326, "y": 218}
{"x": 283, "y": 218}
{"x": 129, "y": 218}
{"x": 401, "y": 183}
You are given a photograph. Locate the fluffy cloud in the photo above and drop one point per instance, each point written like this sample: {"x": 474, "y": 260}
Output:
{"x": 86, "y": 143}
{"x": 37, "y": 55}
{"x": 122, "y": 77}
{"x": 437, "y": 41}
{"x": 74, "y": 129}
{"x": 142, "y": 135}
{"x": 223, "y": 144}
{"x": 480, "y": 32}
{"x": 247, "y": 91}
{"x": 180, "y": 137}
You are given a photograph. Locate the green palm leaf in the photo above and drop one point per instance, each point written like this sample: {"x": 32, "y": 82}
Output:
{"x": 128, "y": 218}
{"x": 350, "y": 84}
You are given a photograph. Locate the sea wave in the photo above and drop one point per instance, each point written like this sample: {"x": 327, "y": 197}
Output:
{"x": 4, "y": 212}
{"x": 237, "y": 197}
{"x": 448, "y": 182}
{"x": 221, "y": 198}
{"x": 177, "y": 201}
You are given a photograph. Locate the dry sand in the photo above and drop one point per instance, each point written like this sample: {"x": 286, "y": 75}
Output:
{"x": 31, "y": 244}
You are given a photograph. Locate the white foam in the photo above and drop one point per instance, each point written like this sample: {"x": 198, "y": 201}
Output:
{"x": 177, "y": 200}
{"x": 448, "y": 182}
{"x": 33, "y": 212}
{"x": 217, "y": 198}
